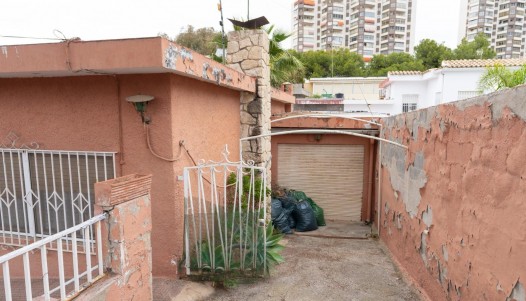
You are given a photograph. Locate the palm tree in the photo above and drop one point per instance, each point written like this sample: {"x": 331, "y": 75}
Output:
{"x": 499, "y": 77}
{"x": 284, "y": 66}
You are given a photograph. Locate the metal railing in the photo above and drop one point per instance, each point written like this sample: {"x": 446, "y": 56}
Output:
{"x": 225, "y": 214}
{"x": 43, "y": 192}
{"x": 78, "y": 282}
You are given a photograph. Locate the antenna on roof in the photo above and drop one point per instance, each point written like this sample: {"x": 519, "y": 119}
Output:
{"x": 220, "y": 8}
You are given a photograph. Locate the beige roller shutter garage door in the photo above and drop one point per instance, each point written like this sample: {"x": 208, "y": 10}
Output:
{"x": 332, "y": 175}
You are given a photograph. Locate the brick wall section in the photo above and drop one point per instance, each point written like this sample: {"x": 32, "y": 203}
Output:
{"x": 452, "y": 206}
{"x": 127, "y": 249}
{"x": 248, "y": 52}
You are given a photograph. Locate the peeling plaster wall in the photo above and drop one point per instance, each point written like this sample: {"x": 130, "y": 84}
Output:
{"x": 453, "y": 209}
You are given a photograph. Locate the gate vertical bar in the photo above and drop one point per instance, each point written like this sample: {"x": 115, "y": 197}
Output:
{"x": 75, "y": 261}
{"x": 28, "y": 192}
{"x": 27, "y": 277}
{"x": 87, "y": 249}
{"x": 99, "y": 248}
{"x": 7, "y": 281}
{"x": 45, "y": 275}
{"x": 186, "y": 227}
{"x": 61, "y": 269}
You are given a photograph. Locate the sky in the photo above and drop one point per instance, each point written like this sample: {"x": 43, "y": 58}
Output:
{"x": 114, "y": 19}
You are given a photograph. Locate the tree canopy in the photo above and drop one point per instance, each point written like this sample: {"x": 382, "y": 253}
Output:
{"x": 381, "y": 64}
{"x": 479, "y": 48}
{"x": 202, "y": 40}
{"x": 431, "y": 54}
{"x": 338, "y": 63}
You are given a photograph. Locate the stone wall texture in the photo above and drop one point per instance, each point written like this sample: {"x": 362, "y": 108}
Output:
{"x": 248, "y": 52}
{"x": 453, "y": 206}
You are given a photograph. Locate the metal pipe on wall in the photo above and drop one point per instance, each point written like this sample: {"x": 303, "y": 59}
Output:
{"x": 370, "y": 180}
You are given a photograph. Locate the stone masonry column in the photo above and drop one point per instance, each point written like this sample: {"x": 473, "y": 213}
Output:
{"x": 248, "y": 52}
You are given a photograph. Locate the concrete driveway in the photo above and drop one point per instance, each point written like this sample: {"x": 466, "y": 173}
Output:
{"x": 317, "y": 268}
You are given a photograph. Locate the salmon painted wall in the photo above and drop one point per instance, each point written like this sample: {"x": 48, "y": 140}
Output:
{"x": 279, "y": 107}
{"x": 329, "y": 140}
{"x": 61, "y": 113}
{"x": 82, "y": 113}
{"x": 452, "y": 210}
{"x": 207, "y": 118}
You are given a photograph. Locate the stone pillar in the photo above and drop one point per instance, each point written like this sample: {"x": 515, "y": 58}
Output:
{"x": 248, "y": 52}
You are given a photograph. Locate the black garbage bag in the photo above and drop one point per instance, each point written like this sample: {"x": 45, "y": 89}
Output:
{"x": 291, "y": 220}
{"x": 296, "y": 195}
{"x": 280, "y": 217}
{"x": 304, "y": 217}
{"x": 318, "y": 212}
{"x": 275, "y": 208}
{"x": 289, "y": 204}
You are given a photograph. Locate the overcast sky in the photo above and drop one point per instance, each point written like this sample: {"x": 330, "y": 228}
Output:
{"x": 110, "y": 19}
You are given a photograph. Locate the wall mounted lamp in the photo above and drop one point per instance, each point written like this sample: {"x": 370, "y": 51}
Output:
{"x": 140, "y": 103}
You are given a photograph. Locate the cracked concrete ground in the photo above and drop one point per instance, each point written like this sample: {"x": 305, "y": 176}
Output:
{"x": 317, "y": 269}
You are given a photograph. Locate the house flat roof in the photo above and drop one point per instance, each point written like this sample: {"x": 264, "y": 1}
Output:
{"x": 110, "y": 57}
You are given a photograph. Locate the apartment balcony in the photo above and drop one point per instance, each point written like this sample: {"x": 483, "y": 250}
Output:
{"x": 370, "y": 28}
{"x": 370, "y": 3}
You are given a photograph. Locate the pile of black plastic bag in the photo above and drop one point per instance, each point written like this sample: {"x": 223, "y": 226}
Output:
{"x": 294, "y": 210}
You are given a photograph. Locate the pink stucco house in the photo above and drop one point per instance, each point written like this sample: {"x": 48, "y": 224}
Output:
{"x": 69, "y": 98}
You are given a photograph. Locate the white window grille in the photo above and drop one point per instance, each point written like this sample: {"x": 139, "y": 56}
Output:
{"x": 45, "y": 192}
{"x": 468, "y": 94}
{"x": 409, "y": 102}
{"x": 408, "y": 107}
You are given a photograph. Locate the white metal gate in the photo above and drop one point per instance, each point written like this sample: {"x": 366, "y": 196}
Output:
{"x": 225, "y": 228}
{"x": 44, "y": 192}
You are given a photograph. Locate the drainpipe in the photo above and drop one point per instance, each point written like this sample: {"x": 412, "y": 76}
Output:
{"x": 378, "y": 202}
{"x": 441, "y": 100}
{"x": 370, "y": 184}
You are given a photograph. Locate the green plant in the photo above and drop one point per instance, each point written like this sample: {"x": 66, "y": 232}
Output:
{"x": 274, "y": 247}
{"x": 499, "y": 77}
{"x": 266, "y": 249}
{"x": 248, "y": 189}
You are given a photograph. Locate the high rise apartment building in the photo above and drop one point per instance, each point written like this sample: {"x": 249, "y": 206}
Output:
{"x": 502, "y": 21}
{"x": 367, "y": 27}
{"x": 304, "y": 25}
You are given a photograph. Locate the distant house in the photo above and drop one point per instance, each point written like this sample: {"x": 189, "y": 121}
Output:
{"x": 343, "y": 94}
{"x": 455, "y": 80}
